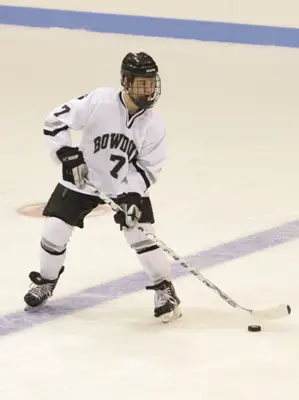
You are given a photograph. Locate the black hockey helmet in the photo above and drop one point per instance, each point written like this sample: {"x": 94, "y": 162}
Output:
{"x": 142, "y": 65}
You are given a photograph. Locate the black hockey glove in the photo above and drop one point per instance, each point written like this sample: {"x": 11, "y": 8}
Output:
{"x": 131, "y": 204}
{"x": 74, "y": 169}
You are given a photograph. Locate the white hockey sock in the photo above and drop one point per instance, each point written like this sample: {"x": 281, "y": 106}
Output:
{"x": 153, "y": 259}
{"x": 55, "y": 236}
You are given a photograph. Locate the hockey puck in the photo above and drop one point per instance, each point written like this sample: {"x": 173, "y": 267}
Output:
{"x": 254, "y": 328}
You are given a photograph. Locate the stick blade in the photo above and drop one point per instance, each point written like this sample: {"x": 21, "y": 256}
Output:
{"x": 281, "y": 311}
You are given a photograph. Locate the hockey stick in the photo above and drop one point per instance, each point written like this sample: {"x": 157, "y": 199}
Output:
{"x": 277, "y": 312}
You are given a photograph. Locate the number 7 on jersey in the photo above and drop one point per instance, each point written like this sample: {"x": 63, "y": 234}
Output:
{"x": 120, "y": 162}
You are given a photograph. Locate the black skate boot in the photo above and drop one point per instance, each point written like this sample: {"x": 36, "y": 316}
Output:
{"x": 166, "y": 301}
{"x": 40, "y": 291}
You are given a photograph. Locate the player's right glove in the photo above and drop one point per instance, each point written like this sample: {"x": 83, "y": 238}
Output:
{"x": 74, "y": 168}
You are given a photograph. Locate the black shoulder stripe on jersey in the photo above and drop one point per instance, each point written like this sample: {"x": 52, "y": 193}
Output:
{"x": 56, "y": 131}
{"x": 142, "y": 173}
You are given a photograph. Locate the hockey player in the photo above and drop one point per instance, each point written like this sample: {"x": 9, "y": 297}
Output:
{"x": 122, "y": 151}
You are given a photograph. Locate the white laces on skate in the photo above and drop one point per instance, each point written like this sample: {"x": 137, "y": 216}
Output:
{"x": 163, "y": 296}
{"x": 41, "y": 291}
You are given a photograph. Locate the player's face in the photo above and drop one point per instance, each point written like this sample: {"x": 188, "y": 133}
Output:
{"x": 144, "y": 91}
{"x": 143, "y": 87}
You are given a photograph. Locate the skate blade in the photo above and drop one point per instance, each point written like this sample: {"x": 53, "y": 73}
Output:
{"x": 30, "y": 309}
{"x": 173, "y": 315}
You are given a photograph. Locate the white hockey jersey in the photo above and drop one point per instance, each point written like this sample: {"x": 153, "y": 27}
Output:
{"x": 123, "y": 153}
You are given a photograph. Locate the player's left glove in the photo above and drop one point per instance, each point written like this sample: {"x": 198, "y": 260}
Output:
{"x": 131, "y": 204}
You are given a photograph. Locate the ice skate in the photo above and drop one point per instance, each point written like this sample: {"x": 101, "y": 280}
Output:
{"x": 166, "y": 302}
{"x": 40, "y": 291}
